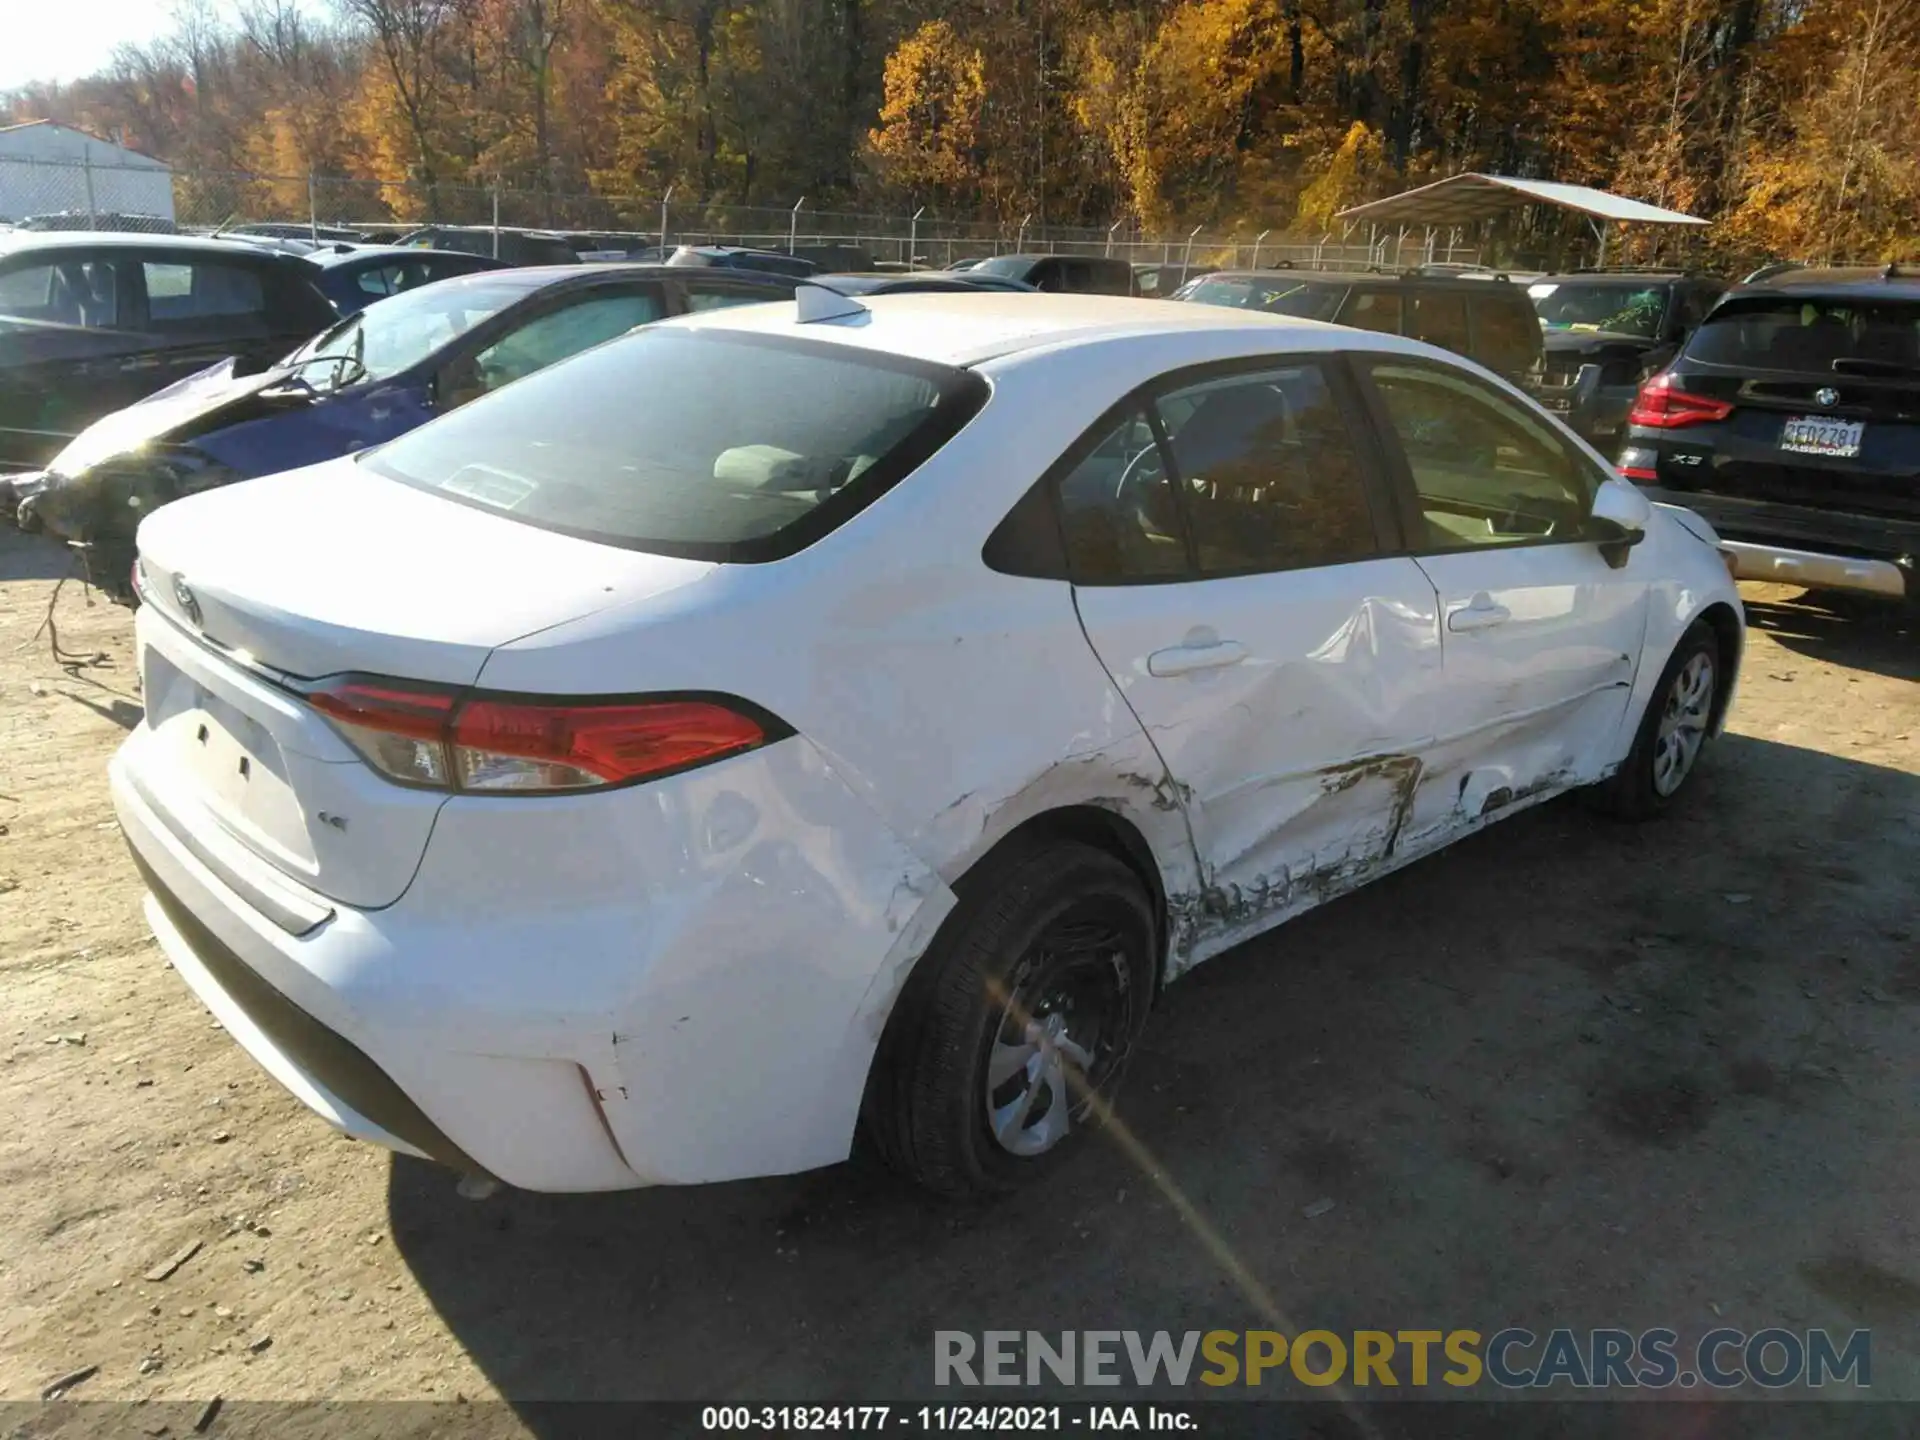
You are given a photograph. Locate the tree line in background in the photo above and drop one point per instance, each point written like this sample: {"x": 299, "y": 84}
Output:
{"x": 1789, "y": 123}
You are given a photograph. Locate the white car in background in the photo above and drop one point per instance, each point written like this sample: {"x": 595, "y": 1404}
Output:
{"x": 801, "y": 713}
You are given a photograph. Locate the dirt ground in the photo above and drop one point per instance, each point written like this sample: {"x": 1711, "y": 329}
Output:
{"x": 1568, "y": 1073}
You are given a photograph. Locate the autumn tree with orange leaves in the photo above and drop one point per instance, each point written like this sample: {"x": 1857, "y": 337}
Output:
{"x": 1787, "y": 122}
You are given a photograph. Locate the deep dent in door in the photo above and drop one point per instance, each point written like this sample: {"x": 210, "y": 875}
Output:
{"x": 1345, "y": 819}
{"x": 1373, "y": 813}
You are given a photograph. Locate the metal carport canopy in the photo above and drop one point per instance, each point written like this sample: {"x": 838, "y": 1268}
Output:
{"x": 1462, "y": 198}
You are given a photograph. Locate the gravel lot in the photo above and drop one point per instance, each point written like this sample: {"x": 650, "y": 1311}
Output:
{"x": 1568, "y": 1073}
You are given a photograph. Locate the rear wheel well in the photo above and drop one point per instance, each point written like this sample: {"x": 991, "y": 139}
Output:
{"x": 1103, "y": 830}
{"x": 1727, "y": 633}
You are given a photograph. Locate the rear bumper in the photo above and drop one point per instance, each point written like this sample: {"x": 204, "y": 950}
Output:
{"x": 331, "y": 1074}
{"x": 1798, "y": 545}
{"x": 670, "y": 984}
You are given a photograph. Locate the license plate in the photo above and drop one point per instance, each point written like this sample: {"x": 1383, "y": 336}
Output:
{"x": 1817, "y": 435}
{"x": 1559, "y": 404}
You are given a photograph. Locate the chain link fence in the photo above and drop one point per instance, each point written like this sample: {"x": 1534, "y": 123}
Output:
{"x": 67, "y": 195}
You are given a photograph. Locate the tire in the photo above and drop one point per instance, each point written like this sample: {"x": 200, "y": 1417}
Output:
{"x": 1043, "y": 973}
{"x": 1679, "y": 714}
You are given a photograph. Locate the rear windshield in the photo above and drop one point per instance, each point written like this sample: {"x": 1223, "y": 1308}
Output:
{"x": 1617, "y": 309}
{"x": 1013, "y": 266}
{"x": 710, "y": 444}
{"x": 1279, "y": 296}
{"x": 1824, "y": 336}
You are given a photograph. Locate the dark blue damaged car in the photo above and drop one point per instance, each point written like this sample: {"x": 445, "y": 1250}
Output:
{"x": 369, "y": 379}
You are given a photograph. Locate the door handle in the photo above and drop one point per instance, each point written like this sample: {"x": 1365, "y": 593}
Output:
{"x": 1185, "y": 659}
{"x": 1483, "y": 614}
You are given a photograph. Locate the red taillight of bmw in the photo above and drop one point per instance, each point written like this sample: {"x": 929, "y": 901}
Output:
{"x": 1661, "y": 405}
{"x": 492, "y": 744}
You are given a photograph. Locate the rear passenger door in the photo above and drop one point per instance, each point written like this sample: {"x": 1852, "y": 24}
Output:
{"x": 1541, "y": 635}
{"x": 1230, "y": 547}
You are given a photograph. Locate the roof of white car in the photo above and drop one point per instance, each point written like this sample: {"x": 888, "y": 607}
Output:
{"x": 967, "y": 329}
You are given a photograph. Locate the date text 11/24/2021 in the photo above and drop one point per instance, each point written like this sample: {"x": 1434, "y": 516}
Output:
{"x": 979, "y": 1419}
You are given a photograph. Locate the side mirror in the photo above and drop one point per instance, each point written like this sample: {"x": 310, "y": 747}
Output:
{"x": 1618, "y": 520}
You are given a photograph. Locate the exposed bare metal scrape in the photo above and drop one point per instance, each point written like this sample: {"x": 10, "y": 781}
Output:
{"x": 1402, "y": 772}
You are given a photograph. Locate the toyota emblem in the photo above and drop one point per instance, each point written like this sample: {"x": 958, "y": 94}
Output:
{"x": 1826, "y": 395}
{"x": 184, "y": 597}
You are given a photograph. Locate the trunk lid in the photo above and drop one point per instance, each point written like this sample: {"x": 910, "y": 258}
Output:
{"x": 326, "y": 571}
{"x": 333, "y": 568}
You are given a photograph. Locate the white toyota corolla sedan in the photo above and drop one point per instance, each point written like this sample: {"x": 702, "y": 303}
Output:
{"x": 819, "y": 715}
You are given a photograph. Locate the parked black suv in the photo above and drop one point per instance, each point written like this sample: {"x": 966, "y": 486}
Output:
{"x": 1790, "y": 420}
{"x": 1608, "y": 330}
{"x": 90, "y": 323}
{"x": 1481, "y": 316}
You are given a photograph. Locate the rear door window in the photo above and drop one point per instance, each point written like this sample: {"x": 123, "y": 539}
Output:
{"x": 1372, "y": 310}
{"x": 711, "y": 444}
{"x": 187, "y": 295}
{"x": 1440, "y": 318}
{"x": 1268, "y": 472}
{"x": 1812, "y": 335}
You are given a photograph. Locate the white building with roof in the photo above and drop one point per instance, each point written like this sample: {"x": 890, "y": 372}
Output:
{"x": 48, "y": 168}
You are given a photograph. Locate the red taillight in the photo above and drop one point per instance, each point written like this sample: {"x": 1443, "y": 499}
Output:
{"x": 1662, "y": 406}
{"x": 401, "y": 729}
{"x": 424, "y": 736}
{"x": 391, "y": 709}
{"x": 1639, "y": 472}
{"x": 514, "y": 745}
